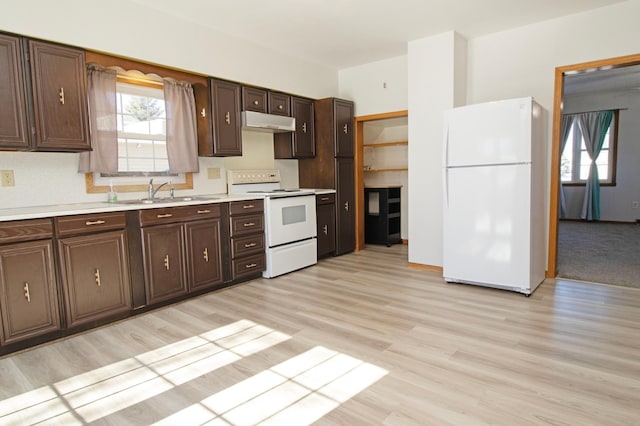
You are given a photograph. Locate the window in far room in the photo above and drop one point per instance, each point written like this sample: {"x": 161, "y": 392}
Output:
{"x": 575, "y": 160}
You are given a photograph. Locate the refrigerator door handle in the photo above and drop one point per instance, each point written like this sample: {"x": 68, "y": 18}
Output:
{"x": 446, "y": 165}
{"x": 446, "y": 187}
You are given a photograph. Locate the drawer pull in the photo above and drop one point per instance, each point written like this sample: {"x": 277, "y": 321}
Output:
{"x": 205, "y": 253}
{"x": 248, "y": 206}
{"x": 61, "y": 95}
{"x": 256, "y": 102}
{"x": 324, "y": 198}
{"x": 204, "y": 211}
{"x": 27, "y": 295}
{"x": 98, "y": 277}
{"x": 162, "y": 216}
{"x": 166, "y": 262}
{"x": 250, "y": 265}
{"x": 94, "y": 222}
{"x": 325, "y": 229}
{"x": 280, "y": 107}
{"x": 248, "y": 224}
{"x": 249, "y": 245}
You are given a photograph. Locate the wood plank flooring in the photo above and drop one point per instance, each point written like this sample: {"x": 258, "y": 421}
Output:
{"x": 361, "y": 339}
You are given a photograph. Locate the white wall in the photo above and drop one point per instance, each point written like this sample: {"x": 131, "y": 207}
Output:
{"x": 378, "y": 87}
{"x": 124, "y": 28}
{"x": 434, "y": 86}
{"x": 616, "y": 202}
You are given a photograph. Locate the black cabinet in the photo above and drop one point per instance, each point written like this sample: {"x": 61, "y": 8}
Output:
{"x": 382, "y": 215}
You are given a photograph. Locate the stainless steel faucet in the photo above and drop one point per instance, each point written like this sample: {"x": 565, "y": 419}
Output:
{"x": 152, "y": 192}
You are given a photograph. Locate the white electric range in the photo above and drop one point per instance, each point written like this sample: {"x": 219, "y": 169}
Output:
{"x": 290, "y": 219}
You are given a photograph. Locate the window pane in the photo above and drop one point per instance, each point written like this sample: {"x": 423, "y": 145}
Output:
{"x": 585, "y": 163}
{"x": 566, "y": 160}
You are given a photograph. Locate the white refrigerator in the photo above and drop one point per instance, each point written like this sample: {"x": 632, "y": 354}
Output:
{"x": 494, "y": 218}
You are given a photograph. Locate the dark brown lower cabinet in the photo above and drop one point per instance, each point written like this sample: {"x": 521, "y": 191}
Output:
{"x": 165, "y": 275}
{"x": 95, "y": 276}
{"x": 326, "y": 221}
{"x": 204, "y": 259}
{"x": 345, "y": 206}
{"x": 28, "y": 296}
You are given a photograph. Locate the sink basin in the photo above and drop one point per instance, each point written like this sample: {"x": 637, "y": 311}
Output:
{"x": 169, "y": 200}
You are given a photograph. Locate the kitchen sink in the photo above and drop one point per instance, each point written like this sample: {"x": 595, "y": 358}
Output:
{"x": 170, "y": 200}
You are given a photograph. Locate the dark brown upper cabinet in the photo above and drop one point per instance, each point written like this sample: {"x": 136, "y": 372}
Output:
{"x": 14, "y": 129}
{"x": 301, "y": 143}
{"x": 279, "y": 103}
{"x": 218, "y": 113}
{"x": 343, "y": 116}
{"x": 254, "y": 99}
{"x": 51, "y": 98}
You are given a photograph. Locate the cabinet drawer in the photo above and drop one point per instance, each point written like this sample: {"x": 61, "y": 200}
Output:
{"x": 325, "y": 199}
{"x": 248, "y": 265}
{"x": 95, "y": 222}
{"x": 25, "y": 230}
{"x": 244, "y": 207}
{"x": 254, "y": 99}
{"x": 247, "y": 245}
{"x": 279, "y": 104}
{"x": 249, "y": 224}
{"x": 178, "y": 214}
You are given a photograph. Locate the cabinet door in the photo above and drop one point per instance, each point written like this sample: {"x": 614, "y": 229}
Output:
{"x": 343, "y": 116}
{"x": 225, "y": 101}
{"x": 163, "y": 254}
{"x": 254, "y": 99}
{"x": 28, "y": 297}
{"x": 204, "y": 254}
{"x": 304, "y": 144}
{"x": 345, "y": 207}
{"x": 14, "y": 133}
{"x": 58, "y": 79}
{"x": 326, "y": 216}
{"x": 279, "y": 104}
{"x": 95, "y": 276}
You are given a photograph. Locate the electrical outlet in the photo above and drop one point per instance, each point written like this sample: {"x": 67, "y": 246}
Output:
{"x": 213, "y": 173}
{"x": 634, "y": 204}
{"x": 6, "y": 178}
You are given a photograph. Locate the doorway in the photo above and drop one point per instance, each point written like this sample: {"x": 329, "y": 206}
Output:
{"x": 560, "y": 74}
{"x": 394, "y": 118}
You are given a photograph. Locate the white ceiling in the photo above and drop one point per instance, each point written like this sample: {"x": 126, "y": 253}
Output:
{"x": 345, "y": 33}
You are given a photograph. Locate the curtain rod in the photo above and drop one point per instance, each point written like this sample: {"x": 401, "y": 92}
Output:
{"x": 600, "y": 110}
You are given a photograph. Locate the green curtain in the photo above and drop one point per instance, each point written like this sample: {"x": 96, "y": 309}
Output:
{"x": 594, "y": 126}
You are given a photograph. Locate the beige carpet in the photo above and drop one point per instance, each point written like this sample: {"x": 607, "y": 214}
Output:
{"x": 599, "y": 252}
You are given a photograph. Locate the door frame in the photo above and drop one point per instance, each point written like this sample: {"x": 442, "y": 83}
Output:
{"x": 359, "y": 167}
{"x": 617, "y": 62}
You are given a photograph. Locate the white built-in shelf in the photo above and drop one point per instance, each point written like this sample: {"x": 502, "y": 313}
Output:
{"x": 385, "y": 144}
{"x": 386, "y": 170}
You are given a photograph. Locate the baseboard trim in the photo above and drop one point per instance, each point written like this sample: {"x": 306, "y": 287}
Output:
{"x": 430, "y": 268}
{"x": 609, "y": 222}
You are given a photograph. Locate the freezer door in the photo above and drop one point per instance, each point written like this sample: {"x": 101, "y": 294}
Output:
{"x": 486, "y": 222}
{"x": 488, "y": 133}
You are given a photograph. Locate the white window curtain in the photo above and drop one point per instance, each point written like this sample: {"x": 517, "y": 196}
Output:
{"x": 182, "y": 139}
{"x": 102, "y": 122}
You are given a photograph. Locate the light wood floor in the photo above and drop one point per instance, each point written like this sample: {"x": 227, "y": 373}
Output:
{"x": 357, "y": 340}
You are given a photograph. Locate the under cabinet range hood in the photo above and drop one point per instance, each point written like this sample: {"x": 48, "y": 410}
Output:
{"x": 252, "y": 120}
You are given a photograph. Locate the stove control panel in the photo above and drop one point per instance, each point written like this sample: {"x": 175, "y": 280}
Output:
{"x": 253, "y": 176}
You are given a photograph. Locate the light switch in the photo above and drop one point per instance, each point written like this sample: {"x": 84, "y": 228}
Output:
{"x": 213, "y": 173}
{"x": 6, "y": 178}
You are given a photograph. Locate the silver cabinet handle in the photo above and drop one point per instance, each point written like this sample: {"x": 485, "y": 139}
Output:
{"x": 248, "y": 206}
{"x": 166, "y": 262}
{"x": 280, "y": 107}
{"x": 249, "y": 245}
{"x": 203, "y": 113}
{"x": 204, "y": 211}
{"x": 345, "y": 129}
{"x": 94, "y": 222}
{"x": 256, "y": 102}
{"x": 325, "y": 229}
{"x": 251, "y": 265}
{"x": 205, "y": 253}
{"x": 248, "y": 224}
{"x": 324, "y": 198}
{"x": 97, "y": 274}
{"x": 162, "y": 216}
{"x": 304, "y": 127}
{"x": 346, "y": 206}
{"x": 27, "y": 294}
{"x": 61, "y": 94}
{"x": 227, "y": 118}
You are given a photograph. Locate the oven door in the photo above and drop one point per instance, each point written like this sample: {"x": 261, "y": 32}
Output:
{"x": 290, "y": 219}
